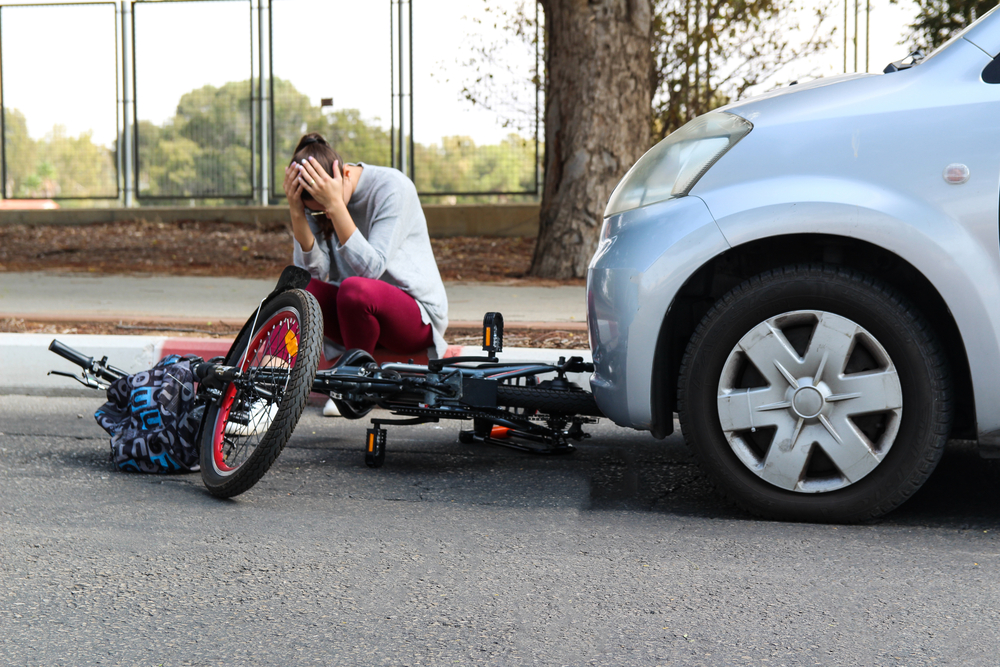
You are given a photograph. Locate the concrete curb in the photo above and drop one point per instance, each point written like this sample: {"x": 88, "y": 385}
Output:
{"x": 25, "y": 359}
{"x": 180, "y": 320}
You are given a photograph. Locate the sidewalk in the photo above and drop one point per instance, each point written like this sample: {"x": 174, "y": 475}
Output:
{"x": 84, "y": 297}
{"x": 25, "y": 359}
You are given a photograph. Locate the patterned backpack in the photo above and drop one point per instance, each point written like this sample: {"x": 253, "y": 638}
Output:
{"x": 152, "y": 419}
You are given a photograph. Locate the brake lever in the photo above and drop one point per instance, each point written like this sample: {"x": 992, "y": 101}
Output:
{"x": 87, "y": 380}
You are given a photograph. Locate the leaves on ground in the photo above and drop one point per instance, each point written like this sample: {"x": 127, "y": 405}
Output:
{"x": 226, "y": 249}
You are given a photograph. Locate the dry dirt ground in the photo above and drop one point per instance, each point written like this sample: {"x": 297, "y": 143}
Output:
{"x": 240, "y": 251}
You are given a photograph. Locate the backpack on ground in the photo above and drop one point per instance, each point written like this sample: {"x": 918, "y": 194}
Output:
{"x": 152, "y": 419}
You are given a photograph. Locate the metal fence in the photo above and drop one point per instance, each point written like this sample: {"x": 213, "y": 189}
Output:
{"x": 49, "y": 71}
{"x": 337, "y": 54}
{"x": 204, "y": 150}
{"x": 180, "y": 101}
{"x": 487, "y": 53}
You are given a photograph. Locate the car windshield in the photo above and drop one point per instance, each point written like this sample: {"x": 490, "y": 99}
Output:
{"x": 957, "y": 36}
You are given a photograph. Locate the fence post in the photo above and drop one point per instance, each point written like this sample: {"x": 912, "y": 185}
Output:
{"x": 401, "y": 30}
{"x": 127, "y": 145}
{"x": 402, "y": 93}
{"x": 3, "y": 130}
{"x": 264, "y": 97}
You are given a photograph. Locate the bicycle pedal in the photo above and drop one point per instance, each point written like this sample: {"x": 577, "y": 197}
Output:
{"x": 375, "y": 447}
{"x": 493, "y": 333}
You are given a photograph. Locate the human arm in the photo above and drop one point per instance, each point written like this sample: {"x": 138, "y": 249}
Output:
{"x": 386, "y": 228}
{"x": 316, "y": 261}
{"x": 385, "y": 216}
{"x": 300, "y": 225}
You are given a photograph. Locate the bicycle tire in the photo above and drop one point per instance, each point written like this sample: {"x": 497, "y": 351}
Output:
{"x": 560, "y": 402}
{"x": 244, "y": 433}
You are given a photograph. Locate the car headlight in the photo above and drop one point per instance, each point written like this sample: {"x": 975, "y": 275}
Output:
{"x": 672, "y": 167}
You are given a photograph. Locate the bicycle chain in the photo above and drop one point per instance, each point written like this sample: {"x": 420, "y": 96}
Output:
{"x": 455, "y": 414}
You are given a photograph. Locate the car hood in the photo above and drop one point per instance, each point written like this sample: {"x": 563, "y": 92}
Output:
{"x": 793, "y": 89}
{"x": 962, "y": 55}
{"x": 840, "y": 96}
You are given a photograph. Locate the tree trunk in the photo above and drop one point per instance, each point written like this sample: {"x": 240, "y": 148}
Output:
{"x": 597, "y": 115}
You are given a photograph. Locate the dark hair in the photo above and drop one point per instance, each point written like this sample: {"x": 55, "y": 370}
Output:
{"x": 315, "y": 146}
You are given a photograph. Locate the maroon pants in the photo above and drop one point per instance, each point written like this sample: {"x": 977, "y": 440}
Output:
{"x": 363, "y": 313}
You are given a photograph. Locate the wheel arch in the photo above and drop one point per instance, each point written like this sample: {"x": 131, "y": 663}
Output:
{"x": 728, "y": 269}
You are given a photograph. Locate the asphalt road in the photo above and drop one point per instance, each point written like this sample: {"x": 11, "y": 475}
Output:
{"x": 470, "y": 555}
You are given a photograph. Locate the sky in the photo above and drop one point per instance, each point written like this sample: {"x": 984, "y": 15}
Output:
{"x": 60, "y": 62}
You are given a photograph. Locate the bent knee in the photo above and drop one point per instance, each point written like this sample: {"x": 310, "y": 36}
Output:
{"x": 355, "y": 293}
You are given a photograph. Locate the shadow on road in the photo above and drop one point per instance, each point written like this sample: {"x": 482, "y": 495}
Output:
{"x": 622, "y": 473}
{"x": 964, "y": 491}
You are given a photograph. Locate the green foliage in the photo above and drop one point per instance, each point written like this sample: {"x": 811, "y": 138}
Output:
{"x": 205, "y": 151}
{"x": 294, "y": 116}
{"x": 938, "y": 20}
{"x": 77, "y": 166}
{"x": 355, "y": 139}
{"x": 21, "y": 154}
{"x": 458, "y": 165}
{"x": 56, "y": 165}
{"x": 454, "y": 165}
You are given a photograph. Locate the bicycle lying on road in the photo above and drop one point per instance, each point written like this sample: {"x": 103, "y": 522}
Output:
{"x": 255, "y": 394}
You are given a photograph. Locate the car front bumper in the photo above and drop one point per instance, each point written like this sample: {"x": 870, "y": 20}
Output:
{"x": 632, "y": 281}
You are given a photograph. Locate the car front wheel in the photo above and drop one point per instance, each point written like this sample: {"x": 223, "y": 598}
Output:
{"x": 814, "y": 393}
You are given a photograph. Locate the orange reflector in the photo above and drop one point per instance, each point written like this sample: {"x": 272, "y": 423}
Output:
{"x": 500, "y": 432}
{"x": 371, "y": 442}
{"x": 487, "y": 335}
{"x": 291, "y": 343}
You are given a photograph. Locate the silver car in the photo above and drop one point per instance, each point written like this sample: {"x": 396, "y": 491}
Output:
{"x": 810, "y": 279}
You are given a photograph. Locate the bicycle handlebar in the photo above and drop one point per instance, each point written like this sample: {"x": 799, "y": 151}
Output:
{"x": 70, "y": 354}
{"x": 99, "y": 368}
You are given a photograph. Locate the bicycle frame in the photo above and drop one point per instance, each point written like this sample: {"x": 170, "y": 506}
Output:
{"x": 478, "y": 388}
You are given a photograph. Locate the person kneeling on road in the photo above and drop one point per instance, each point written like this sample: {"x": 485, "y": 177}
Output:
{"x": 360, "y": 232}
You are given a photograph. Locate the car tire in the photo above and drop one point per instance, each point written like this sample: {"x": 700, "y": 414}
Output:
{"x": 815, "y": 393}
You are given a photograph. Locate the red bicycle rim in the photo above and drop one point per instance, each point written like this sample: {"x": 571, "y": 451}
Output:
{"x": 276, "y": 339}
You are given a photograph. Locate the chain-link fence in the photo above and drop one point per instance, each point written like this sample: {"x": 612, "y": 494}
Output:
{"x": 330, "y": 68}
{"x": 50, "y": 70}
{"x": 161, "y": 101}
{"x": 195, "y": 124}
{"x": 483, "y": 63}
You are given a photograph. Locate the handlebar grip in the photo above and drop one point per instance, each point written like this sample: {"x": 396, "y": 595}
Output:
{"x": 70, "y": 354}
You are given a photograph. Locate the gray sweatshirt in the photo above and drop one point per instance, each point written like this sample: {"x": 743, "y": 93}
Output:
{"x": 391, "y": 244}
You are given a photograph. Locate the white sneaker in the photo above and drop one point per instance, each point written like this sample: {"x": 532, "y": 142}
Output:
{"x": 261, "y": 414}
{"x": 330, "y": 409}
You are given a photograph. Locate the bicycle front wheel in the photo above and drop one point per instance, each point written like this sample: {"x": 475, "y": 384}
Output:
{"x": 244, "y": 433}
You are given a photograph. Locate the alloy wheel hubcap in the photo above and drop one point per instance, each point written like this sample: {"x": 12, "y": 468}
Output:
{"x": 814, "y": 417}
{"x": 808, "y": 402}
